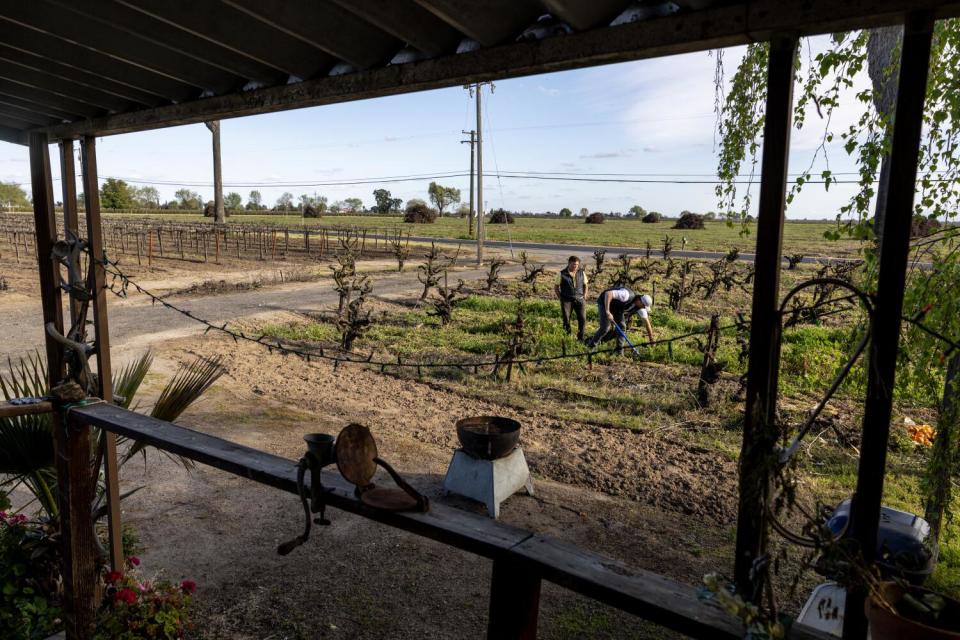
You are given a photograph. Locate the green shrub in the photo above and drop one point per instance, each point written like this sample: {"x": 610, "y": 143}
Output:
{"x": 29, "y": 575}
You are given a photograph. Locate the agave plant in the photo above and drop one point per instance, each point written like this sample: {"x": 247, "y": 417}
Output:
{"x": 26, "y": 442}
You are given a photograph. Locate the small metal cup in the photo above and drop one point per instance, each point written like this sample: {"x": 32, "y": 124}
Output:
{"x": 321, "y": 446}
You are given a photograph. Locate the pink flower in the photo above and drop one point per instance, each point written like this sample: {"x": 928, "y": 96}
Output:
{"x": 18, "y": 519}
{"x": 126, "y": 595}
{"x": 134, "y": 560}
{"x": 188, "y": 586}
{"x": 113, "y": 576}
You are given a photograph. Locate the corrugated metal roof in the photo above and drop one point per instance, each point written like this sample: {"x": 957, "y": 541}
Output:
{"x": 105, "y": 66}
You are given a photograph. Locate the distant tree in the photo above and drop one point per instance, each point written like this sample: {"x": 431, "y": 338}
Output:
{"x": 442, "y": 197}
{"x": 463, "y": 211}
{"x": 637, "y": 211}
{"x": 584, "y": 212}
{"x": 116, "y": 194}
{"x": 12, "y": 195}
{"x": 188, "y": 199}
{"x": 385, "y": 202}
{"x": 147, "y": 197}
{"x": 233, "y": 201}
{"x": 173, "y": 205}
{"x": 352, "y": 205}
{"x": 254, "y": 200}
{"x": 285, "y": 202}
{"x": 566, "y": 213}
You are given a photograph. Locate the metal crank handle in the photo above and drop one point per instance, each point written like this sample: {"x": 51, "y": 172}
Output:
{"x": 290, "y": 545}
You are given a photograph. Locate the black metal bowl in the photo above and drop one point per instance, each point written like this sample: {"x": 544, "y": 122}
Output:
{"x": 488, "y": 437}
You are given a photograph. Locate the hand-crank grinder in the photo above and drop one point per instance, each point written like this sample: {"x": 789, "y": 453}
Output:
{"x": 355, "y": 453}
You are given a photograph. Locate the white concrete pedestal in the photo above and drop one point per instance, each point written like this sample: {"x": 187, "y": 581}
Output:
{"x": 488, "y": 481}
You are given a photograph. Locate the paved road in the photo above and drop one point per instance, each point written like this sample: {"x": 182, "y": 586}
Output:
{"x": 560, "y": 252}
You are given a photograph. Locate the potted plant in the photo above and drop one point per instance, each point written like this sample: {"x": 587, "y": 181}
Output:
{"x": 897, "y": 610}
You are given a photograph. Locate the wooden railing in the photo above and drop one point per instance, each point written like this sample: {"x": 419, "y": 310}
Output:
{"x": 521, "y": 559}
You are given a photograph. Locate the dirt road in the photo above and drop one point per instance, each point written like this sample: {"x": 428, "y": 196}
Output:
{"x": 135, "y": 320}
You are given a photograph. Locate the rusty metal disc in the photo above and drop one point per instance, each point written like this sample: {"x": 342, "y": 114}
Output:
{"x": 356, "y": 450}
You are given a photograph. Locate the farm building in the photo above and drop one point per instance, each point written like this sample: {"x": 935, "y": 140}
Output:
{"x": 76, "y": 72}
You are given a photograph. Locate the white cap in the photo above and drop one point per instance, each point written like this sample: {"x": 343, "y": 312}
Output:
{"x": 647, "y": 301}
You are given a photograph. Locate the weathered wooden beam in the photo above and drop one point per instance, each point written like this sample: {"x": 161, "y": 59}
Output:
{"x": 53, "y": 98}
{"x": 32, "y": 117}
{"x": 489, "y": 23}
{"x": 71, "y": 221}
{"x": 75, "y": 485}
{"x": 514, "y": 601}
{"x": 82, "y": 61}
{"x": 885, "y": 338}
{"x": 9, "y": 410}
{"x": 240, "y": 33}
{"x": 200, "y": 45}
{"x": 722, "y": 26}
{"x": 64, "y": 71}
{"x": 760, "y": 430}
{"x": 326, "y": 27}
{"x": 67, "y": 21}
{"x": 13, "y": 135}
{"x": 101, "y": 329}
{"x": 64, "y": 86}
{"x": 646, "y": 594}
{"x": 585, "y": 15}
{"x": 407, "y": 21}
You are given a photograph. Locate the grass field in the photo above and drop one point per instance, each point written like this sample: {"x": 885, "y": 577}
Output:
{"x": 799, "y": 237}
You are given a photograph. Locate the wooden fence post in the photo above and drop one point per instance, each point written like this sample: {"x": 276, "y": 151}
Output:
{"x": 514, "y": 601}
{"x": 881, "y": 365}
{"x": 760, "y": 430}
{"x": 102, "y": 336}
{"x": 75, "y": 484}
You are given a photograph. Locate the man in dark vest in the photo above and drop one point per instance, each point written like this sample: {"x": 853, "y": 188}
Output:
{"x": 572, "y": 290}
{"x": 614, "y": 306}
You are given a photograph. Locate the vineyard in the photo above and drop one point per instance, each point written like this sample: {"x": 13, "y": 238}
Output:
{"x": 145, "y": 239}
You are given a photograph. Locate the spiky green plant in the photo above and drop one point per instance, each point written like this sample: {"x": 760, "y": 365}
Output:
{"x": 26, "y": 442}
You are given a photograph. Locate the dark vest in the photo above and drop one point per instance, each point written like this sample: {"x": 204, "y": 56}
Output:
{"x": 571, "y": 287}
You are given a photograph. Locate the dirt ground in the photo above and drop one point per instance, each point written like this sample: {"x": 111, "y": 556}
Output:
{"x": 650, "y": 499}
{"x": 647, "y": 500}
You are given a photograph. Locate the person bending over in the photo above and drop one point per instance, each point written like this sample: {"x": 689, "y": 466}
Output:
{"x": 615, "y": 306}
{"x": 572, "y": 290}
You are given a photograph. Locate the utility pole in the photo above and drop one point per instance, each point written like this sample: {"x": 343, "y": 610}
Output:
{"x": 472, "y": 142}
{"x": 219, "y": 216}
{"x": 478, "y": 89}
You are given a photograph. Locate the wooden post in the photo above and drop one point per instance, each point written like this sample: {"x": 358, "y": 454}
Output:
{"x": 75, "y": 484}
{"x": 894, "y": 252}
{"x": 160, "y": 240}
{"x": 216, "y": 255}
{"x": 149, "y": 249}
{"x": 101, "y": 330}
{"x": 760, "y": 430}
{"x": 514, "y": 602}
{"x": 68, "y": 183}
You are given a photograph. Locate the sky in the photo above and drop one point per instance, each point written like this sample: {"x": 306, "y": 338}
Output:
{"x": 652, "y": 118}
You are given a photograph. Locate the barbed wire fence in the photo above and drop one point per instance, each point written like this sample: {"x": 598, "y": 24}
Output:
{"x": 121, "y": 283}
